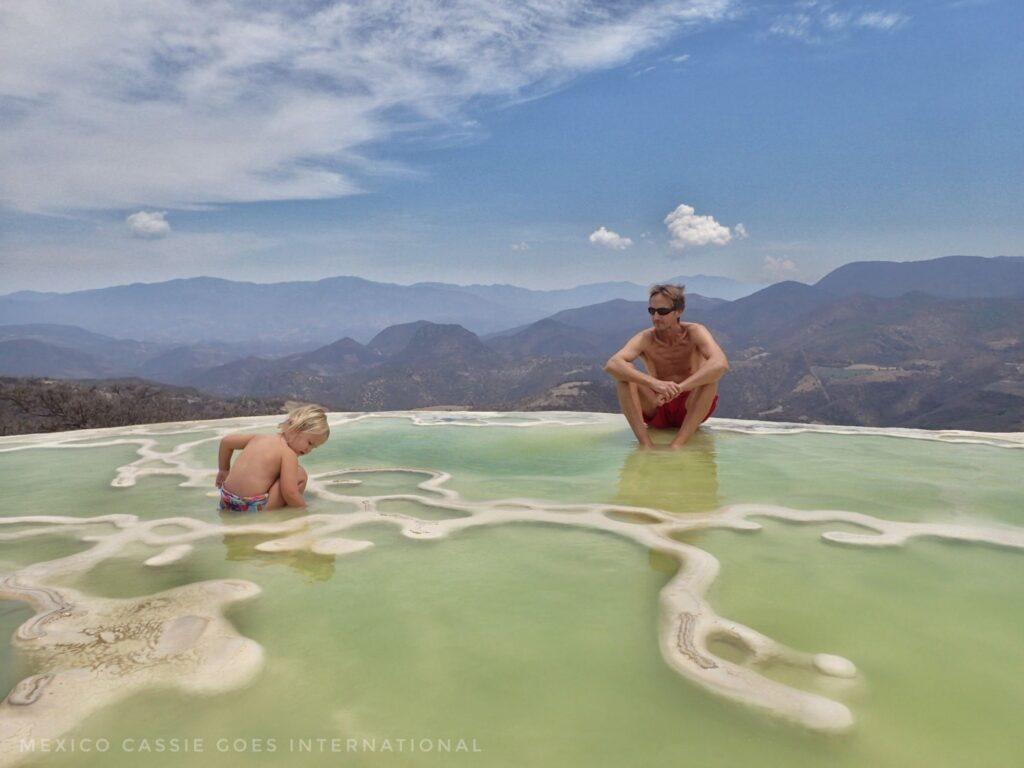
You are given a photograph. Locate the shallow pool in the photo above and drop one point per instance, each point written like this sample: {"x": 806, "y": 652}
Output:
{"x": 516, "y": 589}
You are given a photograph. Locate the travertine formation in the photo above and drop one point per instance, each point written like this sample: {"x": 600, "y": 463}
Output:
{"x": 90, "y": 651}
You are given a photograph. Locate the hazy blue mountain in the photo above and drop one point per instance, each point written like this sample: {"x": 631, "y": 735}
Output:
{"x": 28, "y": 357}
{"x": 395, "y": 338}
{"x": 755, "y": 319}
{"x": 540, "y": 303}
{"x": 178, "y": 364}
{"x": 337, "y": 357}
{"x": 625, "y": 318}
{"x": 716, "y": 287}
{"x": 247, "y": 376}
{"x": 953, "y": 276}
{"x": 92, "y": 355}
{"x": 549, "y": 338}
{"x": 116, "y": 353}
{"x": 914, "y": 360}
{"x": 283, "y": 318}
{"x": 616, "y": 320}
{"x": 296, "y": 316}
{"x": 447, "y": 343}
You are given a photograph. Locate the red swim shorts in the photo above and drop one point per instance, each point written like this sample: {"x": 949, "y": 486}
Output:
{"x": 672, "y": 413}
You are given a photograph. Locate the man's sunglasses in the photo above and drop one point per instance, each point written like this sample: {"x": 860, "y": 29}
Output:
{"x": 659, "y": 310}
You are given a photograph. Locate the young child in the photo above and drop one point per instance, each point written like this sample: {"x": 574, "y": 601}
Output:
{"x": 267, "y": 474}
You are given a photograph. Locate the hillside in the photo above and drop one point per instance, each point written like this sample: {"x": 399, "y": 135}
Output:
{"x": 953, "y": 276}
{"x": 798, "y": 353}
{"x": 44, "y": 405}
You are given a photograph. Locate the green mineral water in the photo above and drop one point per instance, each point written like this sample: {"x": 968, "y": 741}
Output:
{"x": 516, "y": 589}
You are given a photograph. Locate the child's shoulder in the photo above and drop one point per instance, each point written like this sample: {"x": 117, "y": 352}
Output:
{"x": 266, "y": 443}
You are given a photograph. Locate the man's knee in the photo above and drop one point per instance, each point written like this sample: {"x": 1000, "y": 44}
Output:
{"x": 710, "y": 388}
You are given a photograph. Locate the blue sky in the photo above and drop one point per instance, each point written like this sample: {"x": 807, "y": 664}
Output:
{"x": 483, "y": 141}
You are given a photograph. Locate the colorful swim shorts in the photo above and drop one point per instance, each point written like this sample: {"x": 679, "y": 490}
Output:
{"x": 672, "y": 413}
{"x": 228, "y": 500}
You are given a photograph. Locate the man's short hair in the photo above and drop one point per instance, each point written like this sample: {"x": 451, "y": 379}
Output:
{"x": 675, "y": 293}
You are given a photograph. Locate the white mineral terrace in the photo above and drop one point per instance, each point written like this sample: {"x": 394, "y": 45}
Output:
{"x": 93, "y": 651}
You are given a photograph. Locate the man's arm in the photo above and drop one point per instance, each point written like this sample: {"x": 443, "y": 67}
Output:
{"x": 228, "y": 445}
{"x": 620, "y": 367}
{"x": 715, "y": 364}
{"x": 289, "y": 481}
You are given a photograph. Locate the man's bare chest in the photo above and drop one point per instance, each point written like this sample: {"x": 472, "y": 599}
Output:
{"x": 670, "y": 360}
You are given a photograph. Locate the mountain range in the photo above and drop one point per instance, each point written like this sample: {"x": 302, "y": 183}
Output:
{"x": 797, "y": 353}
{"x": 278, "y": 318}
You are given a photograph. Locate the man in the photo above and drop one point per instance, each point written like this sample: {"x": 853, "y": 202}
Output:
{"x": 684, "y": 364}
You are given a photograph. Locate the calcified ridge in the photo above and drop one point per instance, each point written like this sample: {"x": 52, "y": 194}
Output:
{"x": 91, "y": 651}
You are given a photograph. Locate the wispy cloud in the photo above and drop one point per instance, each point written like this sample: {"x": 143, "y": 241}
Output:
{"x": 171, "y": 103}
{"x": 880, "y": 20}
{"x": 816, "y": 21}
{"x": 608, "y": 239}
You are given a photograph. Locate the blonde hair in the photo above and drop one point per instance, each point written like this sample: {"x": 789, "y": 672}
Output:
{"x": 307, "y": 418}
{"x": 674, "y": 293}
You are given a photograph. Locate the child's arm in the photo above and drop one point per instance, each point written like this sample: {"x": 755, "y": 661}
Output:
{"x": 289, "y": 482}
{"x": 228, "y": 445}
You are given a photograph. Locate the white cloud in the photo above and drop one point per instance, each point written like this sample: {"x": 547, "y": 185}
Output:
{"x": 778, "y": 268}
{"x": 688, "y": 230}
{"x": 148, "y": 224}
{"x": 835, "y": 20}
{"x": 881, "y": 20}
{"x": 175, "y": 102}
{"x": 740, "y": 230}
{"x": 797, "y": 26}
{"x": 609, "y": 239}
{"x": 523, "y": 246}
{"x": 819, "y": 21}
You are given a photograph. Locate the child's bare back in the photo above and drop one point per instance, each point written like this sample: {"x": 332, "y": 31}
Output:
{"x": 267, "y": 475}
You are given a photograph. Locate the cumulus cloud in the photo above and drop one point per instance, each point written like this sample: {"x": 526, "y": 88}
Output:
{"x": 688, "y": 230}
{"x": 523, "y": 246}
{"x": 178, "y": 102}
{"x": 148, "y": 224}
{"x": 740, "y": 230}
{"x": 778, "y": 268}
{"x": 609, "y": 239}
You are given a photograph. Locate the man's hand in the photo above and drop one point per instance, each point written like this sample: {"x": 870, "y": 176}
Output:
{"x": 665, "y": 390}
{"x": 222, "y": 475}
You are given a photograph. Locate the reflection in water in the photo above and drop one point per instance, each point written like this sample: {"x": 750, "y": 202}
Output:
{"x": 680, "y": 482}
{"x": 240, "y": 547}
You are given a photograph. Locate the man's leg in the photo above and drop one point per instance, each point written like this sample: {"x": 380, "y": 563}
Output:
{"x": 635, "y": 401}
{"x": 698, "y": 403}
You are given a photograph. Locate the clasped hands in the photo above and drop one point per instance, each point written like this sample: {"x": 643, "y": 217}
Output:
{"x": 667, "y": 390}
